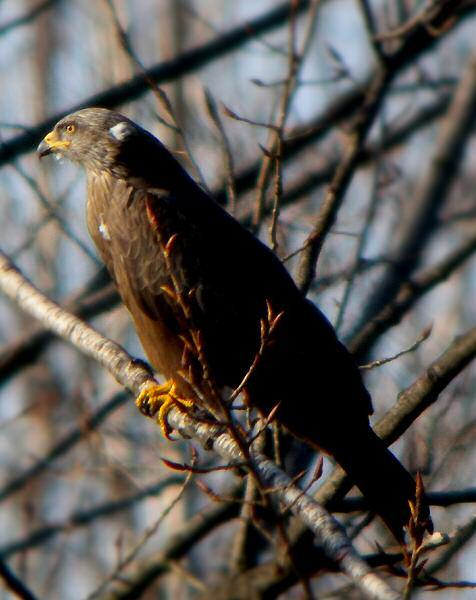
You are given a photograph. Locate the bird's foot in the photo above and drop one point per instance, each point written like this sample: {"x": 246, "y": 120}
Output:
{"x": 159, "y": 400}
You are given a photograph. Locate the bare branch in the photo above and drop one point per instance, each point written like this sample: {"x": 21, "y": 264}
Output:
{"x": 430, "y": 194}
{"x": 185, "y": 63}
{"x": 140, "y": 574}
{"x": 84, "y": 518}
{"x": 408, "y": 294}
{"x": 135, "y": 378}
{"x": 11, "y": 581}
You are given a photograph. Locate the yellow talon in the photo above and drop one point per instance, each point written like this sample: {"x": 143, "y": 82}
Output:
{"x": 159, "y": 400}
{"x": 151, "y": 398}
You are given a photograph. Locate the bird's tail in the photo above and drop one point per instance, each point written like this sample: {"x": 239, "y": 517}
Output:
{"x": 382, "y": 479}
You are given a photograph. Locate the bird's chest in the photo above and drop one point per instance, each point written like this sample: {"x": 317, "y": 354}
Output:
{"x": 117, "y": 219}
{"x": 174, "y": 282}
{"x": 129, "y": 243}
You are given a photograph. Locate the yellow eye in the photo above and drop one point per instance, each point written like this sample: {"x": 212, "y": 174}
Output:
{"x": 70, "y": 128}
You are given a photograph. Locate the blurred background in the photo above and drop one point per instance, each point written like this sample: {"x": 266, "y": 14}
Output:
{"x": 87, "y": 505}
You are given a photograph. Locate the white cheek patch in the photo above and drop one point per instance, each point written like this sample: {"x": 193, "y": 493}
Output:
{"x": 121, "y": 131}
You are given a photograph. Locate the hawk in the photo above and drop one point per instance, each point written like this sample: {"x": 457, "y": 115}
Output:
{"x": 215, "y": 308}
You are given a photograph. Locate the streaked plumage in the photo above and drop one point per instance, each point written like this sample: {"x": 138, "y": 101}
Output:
{"x": 159, "y": 234}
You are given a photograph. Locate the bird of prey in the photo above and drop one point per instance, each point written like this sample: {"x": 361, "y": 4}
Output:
{"x": 215, "y": 308}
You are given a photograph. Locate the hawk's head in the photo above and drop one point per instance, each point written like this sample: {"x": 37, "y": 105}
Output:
{"x": 92, "y": 137}
{"x": 102, "y": 140}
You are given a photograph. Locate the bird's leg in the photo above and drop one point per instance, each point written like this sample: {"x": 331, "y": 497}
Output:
{"x": 159, "y": 400}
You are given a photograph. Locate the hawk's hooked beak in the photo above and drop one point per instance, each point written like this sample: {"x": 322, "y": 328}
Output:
{"x": 51, "y": 143}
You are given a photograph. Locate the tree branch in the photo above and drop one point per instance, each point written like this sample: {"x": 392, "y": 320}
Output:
{"x": 187, "y": 62}
{"x": 430, "y": 194}
{"x": 135, "y": 378}
{"x": 409, "y": 406}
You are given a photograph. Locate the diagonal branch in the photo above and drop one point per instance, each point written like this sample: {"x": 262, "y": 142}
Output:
{"x": 409, "y": 406}
{"x": 408, "y": 295}
{"x": 83, "y": 518}
{"x": 62, "y": 446}
{"x": 341, "y": 180}
{"x": 97, "y": 296}
{"x": 141, "y": 574}
{"x": 411, "y": 403}
{"x": 11, "y": 581}
{"x": 388, "y": 67}
{"x": 430, "y": 194}
{"x": 136, "y": 377}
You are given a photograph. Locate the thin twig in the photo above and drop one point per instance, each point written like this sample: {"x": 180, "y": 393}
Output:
{"x": 149, "y": 532}
{"x": 226, "y": 147}
{"x": 425, "y": 334}
{"x": 83, "y": 518}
